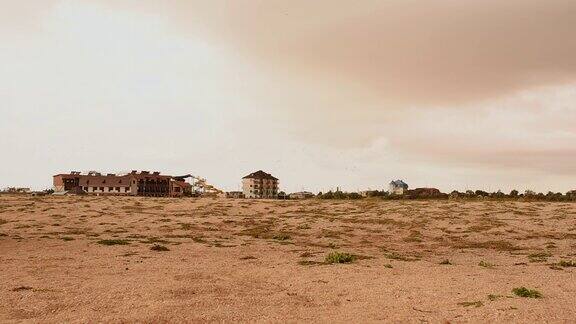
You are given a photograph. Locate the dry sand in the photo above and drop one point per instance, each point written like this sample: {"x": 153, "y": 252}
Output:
{"x": 248, "y": 260}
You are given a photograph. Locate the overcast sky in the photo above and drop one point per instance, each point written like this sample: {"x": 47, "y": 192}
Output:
{"x": 477, "y": 94}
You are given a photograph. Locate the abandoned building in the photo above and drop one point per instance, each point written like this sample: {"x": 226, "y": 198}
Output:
{"x": 301, "y": 195}
{"x": 134, "y": 183}
{"x": 397, "y": 187}
{"x": 260, "y": 185}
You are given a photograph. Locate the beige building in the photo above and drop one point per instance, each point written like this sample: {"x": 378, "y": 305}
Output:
{"x": 134, "y": 183}
{"x": 260, "y": 185}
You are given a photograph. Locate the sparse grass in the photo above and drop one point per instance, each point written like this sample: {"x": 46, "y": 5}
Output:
{"x": 114, "y": 242}
{"x": 309, "y": 262}
{"x": 159, "y": 248}
{"x": 400, "y": 257}
{"x": 248, "y": 257}
{"x": 527, "y": 293}
{"x": 22, "y": 288}
{"x": 539, "y": 257}
{"x": 485, "y": 264}
{"x": 67, "y": 238}
{"x": 155, "y": 240}
{"x": 446, "y": 262}
{"x": 281, "y": 237}
{"x": 388, "y": 265}
{"x": 474, "y": 303}
{"x": 492, "y": 297}
{"x": 567, "y": 264}
{"x": 339, "y": 257}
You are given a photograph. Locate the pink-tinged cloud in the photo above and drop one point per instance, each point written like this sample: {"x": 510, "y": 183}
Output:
{"x": 404, "y": 51}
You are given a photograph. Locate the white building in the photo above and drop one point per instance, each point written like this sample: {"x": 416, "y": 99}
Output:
{"x": 397, "y": 187}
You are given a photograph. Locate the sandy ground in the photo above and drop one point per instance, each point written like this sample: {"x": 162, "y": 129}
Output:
{"x": 247, "y": 260}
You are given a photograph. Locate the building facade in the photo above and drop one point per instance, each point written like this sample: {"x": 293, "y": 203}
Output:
{"x": 301, "y": 195}
{"x": 260, "y": 185}
{"x": 134, "y": 183}
{"x": 397, "y": 187}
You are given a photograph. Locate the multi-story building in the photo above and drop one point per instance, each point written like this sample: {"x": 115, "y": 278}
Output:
{"x": 260, "y": 185}
{"x": 134, "y": 183}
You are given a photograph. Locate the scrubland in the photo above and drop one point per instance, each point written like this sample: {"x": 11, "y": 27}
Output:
{"x": 133, "y": 259}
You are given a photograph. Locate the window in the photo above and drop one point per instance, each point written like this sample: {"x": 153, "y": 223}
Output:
{"x": 118, "y": 189}
{"x": 101, "y": 188}
{"x": 94, "y": 188}
{"x": 110, "y": 188}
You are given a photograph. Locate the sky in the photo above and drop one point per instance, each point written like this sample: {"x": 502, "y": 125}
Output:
{"x": 457, "y": 95}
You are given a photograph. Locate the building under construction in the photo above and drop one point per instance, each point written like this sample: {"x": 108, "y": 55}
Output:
{"x": 144, "y": 183}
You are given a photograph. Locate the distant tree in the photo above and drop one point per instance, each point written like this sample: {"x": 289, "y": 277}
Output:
{"x": 481, "y": 193}
{"x": 514, "y": 193}
{"x": 354, "y": 195}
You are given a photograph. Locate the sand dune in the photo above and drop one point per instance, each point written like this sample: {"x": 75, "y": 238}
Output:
{"x": 87, "y": 259}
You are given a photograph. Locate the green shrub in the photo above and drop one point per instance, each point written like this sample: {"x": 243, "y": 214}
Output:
{"x": 493, "y": 297}
{"x": 486, "y": 264}
{"x": 281, "y": 237}
{"x": 339, "y": 257}
{"x": 113, "y": 242}
{"x": 527, "y": 293}
{"x": 539, "y": 257}
{"x": 567, "y": 264}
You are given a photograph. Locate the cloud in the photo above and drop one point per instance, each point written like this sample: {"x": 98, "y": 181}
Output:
{"x": 453, "y": 94}
{"x": 404, "y": 51}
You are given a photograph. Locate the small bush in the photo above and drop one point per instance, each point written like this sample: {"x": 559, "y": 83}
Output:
{"x": 527, "y": 293}
{"x": 539, "y": 257}
{"x": 67, "y": 238}
{"x": 446, "y": 262}
{"x": 339, "y": 257}
{"x": 567, "y": 264}
{"x": 486, "y": 264}
{"x": 113, "y": 242}
{"x": 494, "y": 297}
{"x": 281, "y": 237}
{"x": 400, "y": 257}
{"x": 159, "y": 248}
